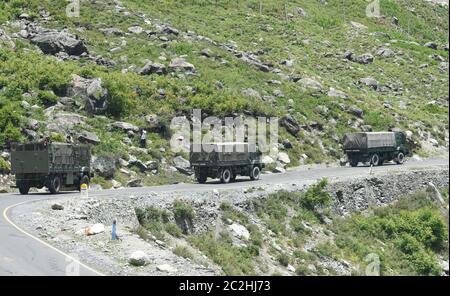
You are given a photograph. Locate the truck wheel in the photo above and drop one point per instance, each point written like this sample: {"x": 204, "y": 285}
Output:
{"x": 353, "y": 163}
{"x": 400, "y": 158}
{"x": 255, "y": 174}
{"x": 24, "y": 189}
{"x": 227, "y": 175}
{"x": 375, "y": 160}
{"x": 55, "y": 184}
{"x": 202, "y": 179}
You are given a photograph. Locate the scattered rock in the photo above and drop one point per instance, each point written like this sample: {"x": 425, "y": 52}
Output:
{"x": 431, "y": 45}
{"x": 181, "y": 64}
{"x": 88, "y": 138}
{"x": 112, "y": 31}
{"x": 356, "y": 111}
{"x": 92, "y": 92}
{"x": 385, "y": 52}
{"x": 52, "y": 42}
{"x": 251, "y": 93}
{"x": 240, "y": 231}
{"x": 364, "y": 59}
{"x": 334, "y": 93}
{"x": 135, "y": 183}
{"x": 283, "y": 158}
{"x": 370, "y": 82}
{"x": 301, "y": 12}
{"x": 138, "y": 258}
{"x": 166, "y": 268}
{"x": 358, "y": 26}
{"x": 136, "y": 30}
{"x": 125, "y": 126}
{"x": 57, "y": 207}
{"x": 153, "y": 68}
{"x": 311, "y": 84}
{"x": 290, "y": 124}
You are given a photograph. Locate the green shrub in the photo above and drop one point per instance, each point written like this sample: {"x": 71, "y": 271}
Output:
{"x": 183, "y": 211}
{"x": 173, "y": 230}
{"x": 47, "y": 98}
{"x": 183, "y": 251}
{"x": 315, "y": 197}
{"x": 233, "y": 260}
{"x": 283, "y": 259}
{"x": 5, "y": 168}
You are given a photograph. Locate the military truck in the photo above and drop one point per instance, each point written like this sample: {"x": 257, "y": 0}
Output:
{"x": 375, "y": 148}
{"x": 56, "y": 166}
{"x": 226, "y": 161}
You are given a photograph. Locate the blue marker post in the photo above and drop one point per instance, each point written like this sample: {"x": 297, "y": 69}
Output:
{"x": 113, "y": 234}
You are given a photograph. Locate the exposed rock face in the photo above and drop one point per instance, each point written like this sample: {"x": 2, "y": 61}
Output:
{"x": 359, "y": 194}
{"x": 53, "y": 42}
{"x": 104, "y": 166}
{"x": 290, "y": 124}
{"x": 92, "y": 92}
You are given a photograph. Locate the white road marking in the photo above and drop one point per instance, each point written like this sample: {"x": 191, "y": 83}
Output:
{"x": 5, "y": 216}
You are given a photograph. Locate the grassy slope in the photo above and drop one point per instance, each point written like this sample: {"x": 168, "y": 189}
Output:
{"x": 223, "y": 21}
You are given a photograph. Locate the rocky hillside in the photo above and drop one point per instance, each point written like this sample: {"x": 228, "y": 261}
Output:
{"x": 323, "y": 67}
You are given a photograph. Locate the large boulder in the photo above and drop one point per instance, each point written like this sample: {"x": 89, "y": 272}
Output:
{"x": 311, "y": 84}
{"x": 182, "y": 165}
{"x": 180, "y": 64}
{"x": 104, "y": 166}
{"x": 370, "y": 82}
{"x": 356, "y": 111}
{"x": 53, "y": 42}
{"x": 290, "y": 124}
{"x": 153, "y": 68}
{"x": 283, "y": 158}
{"x": 431, "y": 45}
{"x": 385, "y": 52}
{"x": 138, "y": 258}
{"x": 93, "y": 93}
{"x": 364, "y": 59}
{"x": 125, "y": 126}
{"x": 335, "y": 93}
{"x": 86, "y": 137}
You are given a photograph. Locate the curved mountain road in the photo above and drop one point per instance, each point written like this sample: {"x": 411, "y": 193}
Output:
{"x": 23, "y": 254}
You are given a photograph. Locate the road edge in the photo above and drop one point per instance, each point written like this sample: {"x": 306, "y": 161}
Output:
{"x": 8, "y": 220}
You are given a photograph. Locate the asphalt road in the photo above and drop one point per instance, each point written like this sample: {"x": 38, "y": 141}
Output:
{"x": 23, "y": 254}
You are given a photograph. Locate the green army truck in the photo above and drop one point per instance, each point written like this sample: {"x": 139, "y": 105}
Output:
{"x": 57, "y": 166}
{"x": 226, "y": 161}
{"x": 375, "y": 148}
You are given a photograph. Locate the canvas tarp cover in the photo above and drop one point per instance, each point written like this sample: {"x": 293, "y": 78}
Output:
{"x": 369, "y": 140}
